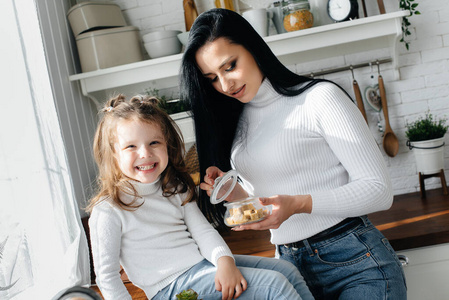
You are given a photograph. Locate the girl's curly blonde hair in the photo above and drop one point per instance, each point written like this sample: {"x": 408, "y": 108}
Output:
{"x": 111, "y": 181}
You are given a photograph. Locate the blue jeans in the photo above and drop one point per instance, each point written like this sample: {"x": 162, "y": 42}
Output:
{"x": 268, "y": 278}
{"x": 358, "y": 263}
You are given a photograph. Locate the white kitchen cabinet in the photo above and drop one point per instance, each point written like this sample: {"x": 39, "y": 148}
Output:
{"x": 185, "y": 123}
{"x": 376, "y": 32}
{"x": 427, "y": 272}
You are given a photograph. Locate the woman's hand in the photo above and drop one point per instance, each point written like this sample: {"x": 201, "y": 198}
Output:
{"x": 209, "y": 179}
{"x": 208, "y": 184}
{"x": 284, "y": 206}
{"x": 228, "y": 279}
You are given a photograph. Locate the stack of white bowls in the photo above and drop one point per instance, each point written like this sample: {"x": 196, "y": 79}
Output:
{"x": 162, "y": 43}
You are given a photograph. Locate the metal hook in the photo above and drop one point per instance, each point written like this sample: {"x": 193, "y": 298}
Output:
{"x": 311, "y": 75}
{"x": 378, "y": 66}
{"x": 352, "y": 71}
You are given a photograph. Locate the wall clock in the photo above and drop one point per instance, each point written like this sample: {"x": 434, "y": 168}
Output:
{"x": 342, "y": 10}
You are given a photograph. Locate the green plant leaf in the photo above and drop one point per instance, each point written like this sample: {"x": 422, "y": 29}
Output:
{"x": 426, "y": 129}
{"x": 187, "y": 295}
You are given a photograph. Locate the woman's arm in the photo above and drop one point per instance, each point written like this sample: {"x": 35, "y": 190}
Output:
{"x": 207, "y": 185}
{"x": 344, "y": 129}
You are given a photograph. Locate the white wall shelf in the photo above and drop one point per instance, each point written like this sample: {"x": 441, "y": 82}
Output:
{"x": 376, "y": 32}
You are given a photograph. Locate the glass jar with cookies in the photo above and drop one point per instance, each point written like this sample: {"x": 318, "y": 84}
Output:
{"x": 240, "y": 212}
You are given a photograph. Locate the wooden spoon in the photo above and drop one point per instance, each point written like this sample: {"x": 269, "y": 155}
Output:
{"x": 390, "y": 141}
{"x": 358, "y": 97}
{"x": 381, "y": 5}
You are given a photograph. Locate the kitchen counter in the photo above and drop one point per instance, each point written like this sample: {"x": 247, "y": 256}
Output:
{"x": 410, "y": 223}
{"x": 413, "y": 222}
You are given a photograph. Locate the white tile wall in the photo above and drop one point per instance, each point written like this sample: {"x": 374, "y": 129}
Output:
{"x": 424, "y": 71}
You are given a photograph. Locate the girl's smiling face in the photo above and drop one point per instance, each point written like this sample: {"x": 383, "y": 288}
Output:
{"x": 230, "y": 68}
{"x": 140, "y": 150}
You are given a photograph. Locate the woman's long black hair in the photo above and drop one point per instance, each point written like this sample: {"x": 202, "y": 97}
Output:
{"x": 216, "y": 115}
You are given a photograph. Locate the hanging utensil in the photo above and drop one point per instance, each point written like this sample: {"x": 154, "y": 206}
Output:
{"x": 358, "y": 95}
{"x": 372, "y": 97}
{"x": 381, "y": 5}
{"x": 390, "y": 141}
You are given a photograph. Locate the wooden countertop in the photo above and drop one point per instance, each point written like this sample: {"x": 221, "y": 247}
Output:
{"x": 410, "y": 223}
{"x": 413, "y": 222}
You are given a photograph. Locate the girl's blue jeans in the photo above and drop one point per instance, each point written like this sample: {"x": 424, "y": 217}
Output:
{"x": 268, "y": 278}
{"x": 358, "y": 263}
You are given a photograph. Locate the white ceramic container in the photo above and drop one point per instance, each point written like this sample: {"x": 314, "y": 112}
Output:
{"x": 163, "y": 47}
{"x": 107, "y": 48}
{"x": 88, "y": 16}
{"x": 160, "y": 35}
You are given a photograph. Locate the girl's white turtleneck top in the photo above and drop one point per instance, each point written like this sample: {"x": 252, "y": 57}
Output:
{"x": 315, "y": 143}
{"x": 155, "y": 243}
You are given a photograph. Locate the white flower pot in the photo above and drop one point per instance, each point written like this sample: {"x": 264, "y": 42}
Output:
{"x": 429, "y": 155}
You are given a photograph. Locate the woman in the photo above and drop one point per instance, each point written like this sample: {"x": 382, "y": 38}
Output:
{"x": 302, "y": 146}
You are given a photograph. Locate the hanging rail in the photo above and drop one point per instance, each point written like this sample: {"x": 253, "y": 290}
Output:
{"x": 361, "y": 65}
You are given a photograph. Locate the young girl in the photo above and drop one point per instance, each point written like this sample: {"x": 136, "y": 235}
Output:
{"x": 300, "y": 143}
{"x": 145, "y": 218}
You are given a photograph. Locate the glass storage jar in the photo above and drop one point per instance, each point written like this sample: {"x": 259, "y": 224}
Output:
{"x": 297, "y": 15}
{"x": 240, "y": 212}
{"x": 245, "y": 211}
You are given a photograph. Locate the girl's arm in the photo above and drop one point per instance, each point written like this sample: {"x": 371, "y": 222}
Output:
{"x": 228, "y": 278}
{"x": 105, "y": 236}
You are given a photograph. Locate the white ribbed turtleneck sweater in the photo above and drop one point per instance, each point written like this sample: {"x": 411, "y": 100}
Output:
{"x": 316, "y": 143}
{"x": 155, "y": 243}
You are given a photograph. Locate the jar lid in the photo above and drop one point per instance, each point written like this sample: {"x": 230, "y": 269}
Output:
{"x": 223, "y": 186}
{"x": 297, "y": 4}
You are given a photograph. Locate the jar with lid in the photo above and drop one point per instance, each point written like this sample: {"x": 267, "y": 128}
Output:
{"x": 297, "y": 15}
{"x": 278, "y": 15}
{"x": 240, "y": 212}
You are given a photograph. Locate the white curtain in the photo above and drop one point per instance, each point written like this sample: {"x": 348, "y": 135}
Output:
{"x": 43, "y": 248}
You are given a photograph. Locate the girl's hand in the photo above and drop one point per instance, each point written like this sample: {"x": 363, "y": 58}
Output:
{"x": 208, "y": 184}
{"x": 284, "y": 206}
{"x": 228, "y": 279}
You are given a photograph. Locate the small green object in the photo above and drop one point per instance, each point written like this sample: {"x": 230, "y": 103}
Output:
{"x": 411, "y": 7}
{"x": 426, "y": 128}
{"x": 168, "y": 104}
{"x": 187, "y": 295}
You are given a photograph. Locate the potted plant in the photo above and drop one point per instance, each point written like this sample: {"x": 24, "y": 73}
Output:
{"x": 179, "y": 111}
{"x": 426, "y": 139}
{"x": 169, "y": 104}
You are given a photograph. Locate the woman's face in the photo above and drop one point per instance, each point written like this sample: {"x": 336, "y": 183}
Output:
{"x": 230, "y": 68}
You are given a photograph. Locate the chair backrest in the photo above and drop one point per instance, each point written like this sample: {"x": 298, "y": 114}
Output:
{"x": 77, "y": 293}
